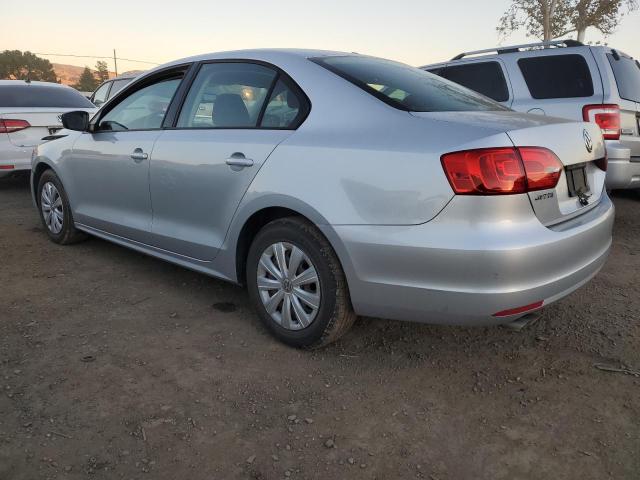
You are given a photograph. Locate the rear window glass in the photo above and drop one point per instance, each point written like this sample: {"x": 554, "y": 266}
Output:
{"x": 627, "y": 73}
{"x": 25, "y": 95}
{"x": 405, "y": 87}
{"x": 486, "y": 78}
{"x": 557, "y": 76}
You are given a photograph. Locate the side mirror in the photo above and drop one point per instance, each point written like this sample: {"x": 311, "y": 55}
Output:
{"x": 77, "y": 120}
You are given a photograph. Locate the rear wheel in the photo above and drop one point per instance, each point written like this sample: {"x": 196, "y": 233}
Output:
{"x": 55, "y": 211}
{"x": 297, "y": 285}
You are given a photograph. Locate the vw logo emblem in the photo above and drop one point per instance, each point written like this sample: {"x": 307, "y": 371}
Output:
{"x": 60, "y": 118}
{"x": 588, "y": 143}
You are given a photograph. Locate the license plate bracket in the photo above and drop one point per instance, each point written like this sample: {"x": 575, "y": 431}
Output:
{"x": 577, "y": 182}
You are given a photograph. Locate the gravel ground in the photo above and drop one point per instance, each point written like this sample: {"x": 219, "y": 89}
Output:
{"x": 116, "y": 365}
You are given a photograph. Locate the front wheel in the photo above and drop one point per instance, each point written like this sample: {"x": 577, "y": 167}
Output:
{"x": 55, "y": 211}
{"x": 297, "y": 285}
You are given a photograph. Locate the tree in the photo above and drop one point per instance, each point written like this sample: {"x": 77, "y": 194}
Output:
{"x": 87, "y": 81}
{"x": 102, "y": 71}
{"x": 548, "y": 19}
{"x": 17, "y": 65}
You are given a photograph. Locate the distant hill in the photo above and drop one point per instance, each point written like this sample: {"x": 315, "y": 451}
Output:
{"x": 69, "y": 74}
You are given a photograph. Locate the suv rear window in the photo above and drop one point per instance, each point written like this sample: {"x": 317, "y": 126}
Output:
{"x": 486, "y": 78}
{"x": 404, "y": 87}
{"x": 627, "y": 73}
{"x": 30, "y": 95}
{"x": 557, "y": 76}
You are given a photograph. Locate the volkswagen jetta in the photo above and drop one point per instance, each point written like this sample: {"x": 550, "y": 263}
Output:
{"x": 334, "y": 185}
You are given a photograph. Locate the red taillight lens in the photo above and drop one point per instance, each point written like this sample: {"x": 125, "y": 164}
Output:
{"x": 487, "y": 171}
{"x": 607, "y": 117}
{"x": 9, "y": 125}
{"x": 501, "y": 171}
{"x": 542, "y": 166}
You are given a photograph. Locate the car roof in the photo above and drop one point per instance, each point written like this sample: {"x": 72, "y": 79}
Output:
{"x": 33, "y": 82}
{"x": 269, "y": 55}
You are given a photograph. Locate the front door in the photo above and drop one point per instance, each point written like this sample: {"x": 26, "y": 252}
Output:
{"x": 110, "y": 167}
{"x": 233, "y": 117}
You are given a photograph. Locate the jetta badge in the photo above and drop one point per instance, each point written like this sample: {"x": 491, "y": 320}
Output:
{"x": 588, "y": 143}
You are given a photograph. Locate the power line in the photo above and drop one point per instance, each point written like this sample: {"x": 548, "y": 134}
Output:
{"x": 93, "y": 56}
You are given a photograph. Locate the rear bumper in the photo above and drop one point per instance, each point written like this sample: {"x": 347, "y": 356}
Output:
{"x": 622, "y": 171}
{"x": 19, "y": 158}
{"x": 479, "y": 256}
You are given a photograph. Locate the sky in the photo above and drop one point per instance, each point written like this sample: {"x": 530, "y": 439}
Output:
{"x": 417, "y": 32}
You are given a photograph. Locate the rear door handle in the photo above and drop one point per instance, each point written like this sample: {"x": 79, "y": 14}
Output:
{"x": 138, "y": 155}
{"x": 239, "y": 160}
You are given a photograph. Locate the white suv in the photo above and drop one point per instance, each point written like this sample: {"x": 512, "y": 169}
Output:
{"x": 563, "y": 79}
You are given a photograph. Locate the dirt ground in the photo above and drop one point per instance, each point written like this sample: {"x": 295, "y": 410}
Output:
{"x": 116, "y": 365}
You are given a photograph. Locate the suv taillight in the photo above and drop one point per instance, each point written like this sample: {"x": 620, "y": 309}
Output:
{"x": 607, "y": 116}
{"x": 501, "y": 171}
{"x": 9, "y": 125}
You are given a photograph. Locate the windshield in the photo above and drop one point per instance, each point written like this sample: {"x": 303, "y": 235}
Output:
{"x": 43, "y": 96}
{"x": 627, "y": 73}
{"x": 405, "y": 87}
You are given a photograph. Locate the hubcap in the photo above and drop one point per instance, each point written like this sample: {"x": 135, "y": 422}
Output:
{"x": 51, "y": 205}
{"x": 289, "y": 286}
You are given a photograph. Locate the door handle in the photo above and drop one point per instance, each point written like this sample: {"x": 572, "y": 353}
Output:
{"x": 138, "y": 155}
{"x": 239, "y": 160}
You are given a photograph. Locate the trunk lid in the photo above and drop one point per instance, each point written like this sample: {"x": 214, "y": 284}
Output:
{"x": 44, "y": 121}
{"x": 577, "y": 144}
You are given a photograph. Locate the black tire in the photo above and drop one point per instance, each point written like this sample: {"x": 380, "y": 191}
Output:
{"x": 335, "y": 314}
{"x": 68, "y": 234}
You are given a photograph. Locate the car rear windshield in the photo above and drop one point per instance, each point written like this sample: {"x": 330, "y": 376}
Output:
{"x": 557, "y": 76}
{"x": 43, "y": 96}
{"x": 404, "y": 87}
{"x": 627, "y": 73}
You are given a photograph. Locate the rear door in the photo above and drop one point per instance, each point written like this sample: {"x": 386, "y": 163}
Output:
{"x": 234, "y": 116}
{"x": 554, "y": 84}
{"x": 109, "y": 166}
{"x": 626, "y": 71}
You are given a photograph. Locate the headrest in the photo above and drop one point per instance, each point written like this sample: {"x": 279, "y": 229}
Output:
{"x": 229, "y": 110}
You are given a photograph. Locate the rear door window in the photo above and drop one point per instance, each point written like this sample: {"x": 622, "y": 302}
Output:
{"x": 627, "y": 73}
{"x": 486, "y": 78}
{"x": 227, "y": 95}
{"x": 557, "y": 76}
{"x": 44, "y": 96}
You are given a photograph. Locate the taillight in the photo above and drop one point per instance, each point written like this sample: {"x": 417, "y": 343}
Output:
{"x": 607, "y": 116}
{"x": 501, "y": 171}
{"x": 8, "y": 125}
{"x": 542, "y": 166}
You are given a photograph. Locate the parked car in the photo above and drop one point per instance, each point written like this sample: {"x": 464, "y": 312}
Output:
{"x": 30, "y": 111}
{"x": 564, "y": 79}
{"x": 109, "y": 88}
{"x": 335, "y": 184}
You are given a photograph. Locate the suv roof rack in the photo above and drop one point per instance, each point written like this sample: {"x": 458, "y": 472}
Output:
{"x": 517, "y": 48}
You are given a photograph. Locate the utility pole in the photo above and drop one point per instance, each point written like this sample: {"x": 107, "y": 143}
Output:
{"x": 115, "y": 62}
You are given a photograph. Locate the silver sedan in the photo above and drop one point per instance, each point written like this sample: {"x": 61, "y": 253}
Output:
{"x": 334, "y": 185}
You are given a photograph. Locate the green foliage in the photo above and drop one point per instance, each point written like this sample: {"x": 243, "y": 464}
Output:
{"x": 87, "y": 81}
{"x": 17, "y": 65}
{"x": 548, "y": 19}
{"x": 102, "y": 71}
